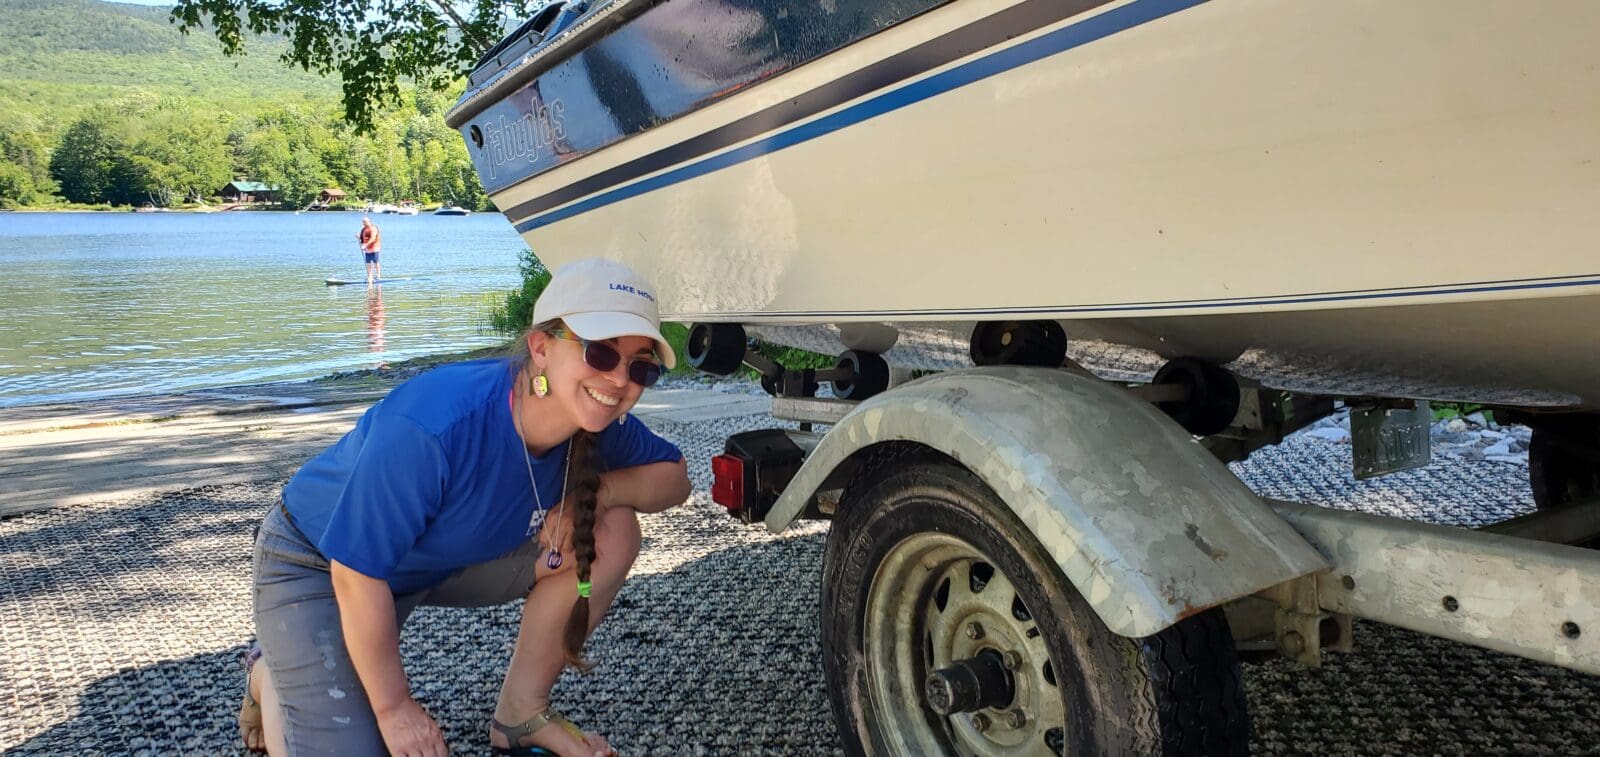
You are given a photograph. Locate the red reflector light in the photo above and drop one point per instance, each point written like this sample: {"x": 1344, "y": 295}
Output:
{"x": 727, "y": 481}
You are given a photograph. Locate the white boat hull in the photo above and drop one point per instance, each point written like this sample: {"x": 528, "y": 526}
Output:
{"x": 1405, "y": 190}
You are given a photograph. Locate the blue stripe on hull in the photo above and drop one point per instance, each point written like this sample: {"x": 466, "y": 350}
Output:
{"x": 1086, "y": 31}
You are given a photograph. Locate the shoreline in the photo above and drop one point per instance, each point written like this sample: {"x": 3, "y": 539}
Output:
{"x": 355, "y": 379}
{"x": 398, "y": 372}
{"x": 337, "y": 387}
{"x": 118, "y": 449}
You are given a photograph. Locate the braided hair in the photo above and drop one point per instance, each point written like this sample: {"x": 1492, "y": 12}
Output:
{"x": 583, "y": 496}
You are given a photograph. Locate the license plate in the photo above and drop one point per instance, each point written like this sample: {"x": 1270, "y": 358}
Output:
{"x": 1390, "y": 440}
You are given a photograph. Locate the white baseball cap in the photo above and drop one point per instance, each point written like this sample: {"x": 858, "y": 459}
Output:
{"x": 602, "y": 299}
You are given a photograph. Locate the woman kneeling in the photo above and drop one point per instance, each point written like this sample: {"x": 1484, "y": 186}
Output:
{"x": 473, "y": 484}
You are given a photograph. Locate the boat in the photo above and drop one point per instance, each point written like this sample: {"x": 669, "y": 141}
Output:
{"x": 402, "y": 208}
{"x": 1252, "y": 210}
{"x": 452, "y": 210}
{"x": 1355, "y": 199}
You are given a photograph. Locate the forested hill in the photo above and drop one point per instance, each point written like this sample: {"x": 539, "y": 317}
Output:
{"x": 58, "y": 56}
{"x": 108, "y": 104}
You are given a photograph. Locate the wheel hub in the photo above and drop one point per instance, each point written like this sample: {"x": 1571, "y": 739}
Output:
{"x": 970, "y": 685}
{"x": 955, "y": 661}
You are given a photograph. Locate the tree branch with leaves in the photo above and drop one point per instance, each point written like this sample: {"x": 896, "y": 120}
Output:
{"x": 373, "y": 45}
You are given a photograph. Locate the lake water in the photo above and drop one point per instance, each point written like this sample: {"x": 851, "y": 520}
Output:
{"x": 104, "y": 304}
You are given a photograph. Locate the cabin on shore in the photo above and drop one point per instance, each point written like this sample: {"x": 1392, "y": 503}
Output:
{"x": 326, "y": 198}
{"x": 250, "y": 192}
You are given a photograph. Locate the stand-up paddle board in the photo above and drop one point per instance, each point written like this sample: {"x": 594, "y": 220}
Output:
{"x": 384, "y": 280}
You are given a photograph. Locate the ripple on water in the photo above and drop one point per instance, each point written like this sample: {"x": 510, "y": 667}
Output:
{"x": 130, "y": 304}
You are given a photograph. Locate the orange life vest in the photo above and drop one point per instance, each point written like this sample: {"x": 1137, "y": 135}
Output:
{"x": 371, "y": 239}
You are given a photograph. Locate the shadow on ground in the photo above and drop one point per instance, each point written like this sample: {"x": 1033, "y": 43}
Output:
{"x": 120, "y": 625}
{"x": 112, "y": 560}
{"x": 711, "y": 657}
{"x": 721, "y": 655}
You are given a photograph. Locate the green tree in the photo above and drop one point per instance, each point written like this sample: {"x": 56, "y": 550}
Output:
{"x": 516, "y": 313}
{"x": 25, "y": 143}
{"x": 82, "y": 163}
{"x": 132, "y": 178}
{"x": 189, "y": 152}
{"x": 16, "y": 186}
{"x": 144, "y": 149}
{"x": 372, "y": 44}
{"x": 164, "y": 149}
{"x": 286, "y": 150}
{"x": 383, "y": 164}
{"x": 169, "y": 151}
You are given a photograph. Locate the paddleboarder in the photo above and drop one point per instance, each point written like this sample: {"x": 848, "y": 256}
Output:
{"x": 371, "y": 242}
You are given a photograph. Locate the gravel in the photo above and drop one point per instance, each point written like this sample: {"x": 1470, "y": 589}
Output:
{"x": 120, "y": 625}
{"x": 1470, "y": 437}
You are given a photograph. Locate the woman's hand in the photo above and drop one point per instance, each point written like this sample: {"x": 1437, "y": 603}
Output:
{"x": 409, "y": 731}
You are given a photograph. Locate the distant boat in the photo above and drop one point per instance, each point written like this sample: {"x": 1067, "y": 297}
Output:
{"x": 405, "y": 208}
{"x": 452, "y": 210}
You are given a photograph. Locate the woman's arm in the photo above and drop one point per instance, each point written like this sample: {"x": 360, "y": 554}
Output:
{"x": 366, "y": 613}
{"x": 646, "y": 488}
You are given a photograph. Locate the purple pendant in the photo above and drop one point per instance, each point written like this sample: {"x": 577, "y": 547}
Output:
{"x": 554, "y": 560}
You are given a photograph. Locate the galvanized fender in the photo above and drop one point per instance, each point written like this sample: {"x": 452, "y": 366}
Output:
{"x": 1146, "y": 523}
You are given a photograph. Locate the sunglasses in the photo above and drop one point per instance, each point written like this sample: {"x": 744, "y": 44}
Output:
{"x": 604, "y": 358}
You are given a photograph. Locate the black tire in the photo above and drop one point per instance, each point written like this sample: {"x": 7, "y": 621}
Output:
{"x": 1176, "y": 693}
{"x": 871, "y": 375}
{"x": 715, "y": 348}
{"x": 1213, "y": 395}
{"x": 1562, "y": 465}
{"x": 1036, "y": 343}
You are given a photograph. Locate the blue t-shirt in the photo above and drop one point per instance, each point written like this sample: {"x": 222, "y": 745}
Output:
{"x": 433, "y": 479}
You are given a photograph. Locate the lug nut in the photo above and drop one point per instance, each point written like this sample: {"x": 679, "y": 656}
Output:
{"x": 1012, "y": 660}
{"x": 980, "y": 722}
{"x": 974, "y": 631}
{"x": 1016, "y": 719}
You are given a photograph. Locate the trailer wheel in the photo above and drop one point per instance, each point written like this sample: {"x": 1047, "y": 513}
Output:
{"x": 947, "y": 629}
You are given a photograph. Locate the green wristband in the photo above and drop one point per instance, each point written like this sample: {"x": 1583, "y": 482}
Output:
{"x": 583, "y": 588}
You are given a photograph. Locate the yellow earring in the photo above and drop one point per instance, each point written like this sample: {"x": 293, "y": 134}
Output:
{"x": 539, "y": 385}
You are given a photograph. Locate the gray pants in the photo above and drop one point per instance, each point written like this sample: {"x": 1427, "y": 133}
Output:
{"x": 325, "y": 708}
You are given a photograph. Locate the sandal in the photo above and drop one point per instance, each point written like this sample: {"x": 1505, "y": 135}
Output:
{"x": 250, "y": 709}
{"x": 514, "y": 733}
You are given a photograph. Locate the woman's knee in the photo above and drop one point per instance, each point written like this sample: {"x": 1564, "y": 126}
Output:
{"x": 617, "y": 535}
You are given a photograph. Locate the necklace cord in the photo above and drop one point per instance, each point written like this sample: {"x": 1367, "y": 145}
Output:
{"x": 527, "y": 460}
